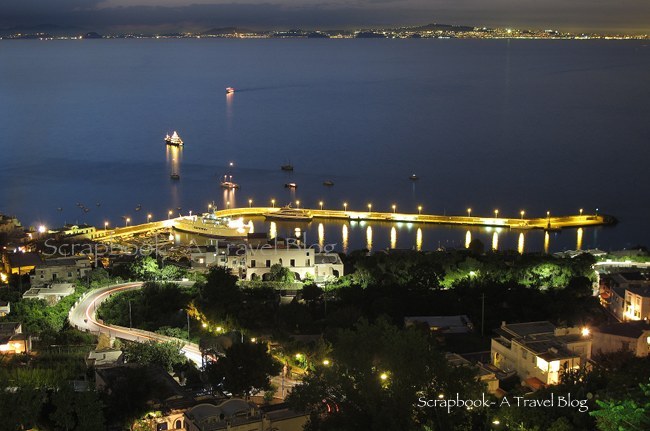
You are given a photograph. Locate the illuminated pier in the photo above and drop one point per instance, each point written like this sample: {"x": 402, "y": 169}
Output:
{"x": 545, "y": 223}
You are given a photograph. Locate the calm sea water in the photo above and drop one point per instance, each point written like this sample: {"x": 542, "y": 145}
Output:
{"x": 534, "y": 125}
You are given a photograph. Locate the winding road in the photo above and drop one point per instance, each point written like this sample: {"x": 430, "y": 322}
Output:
{"x": 83, "y": 317}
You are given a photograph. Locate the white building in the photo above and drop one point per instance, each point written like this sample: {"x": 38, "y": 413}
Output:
{"x": 623, "y": 336}
{"x": 538, "y": 351}
{"x": 51, "y": 294}
{"x": 5, "y": 308}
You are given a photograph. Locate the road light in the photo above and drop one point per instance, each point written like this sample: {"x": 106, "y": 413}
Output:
{"x": 105, "y": 225}
{"x": 273, "y": 203}
{"x": 383, "y": 376}
{"x": 345, "y": 206}
{"x": 42, "y": 229}
{"x": 580, "y": 211}
{"x": 496, "y": 213}
{"x": 169, "y": 213}
{"x": 250, "y": 203}
{"x": 321, "y": 205}
{"x": 297, "y": 204}
{"x": 419, "y": 209}
{"x": 469, "y": 212}
{"x": 369, "y": 207}
{"x": 253, "y": 340}
{"x": 209, "y": 207}
{"x": 585, "y": 332}
{"x": 326, "y": 362}
{"x": 127, "y": 221}
{"x": 148, "y": 217}
{"x": 522, "y": 214}
{"x": 394, "y": 208}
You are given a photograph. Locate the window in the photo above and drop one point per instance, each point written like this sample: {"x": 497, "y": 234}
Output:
{"x": 178, "y": 424}
{"x": 268, "y": 263}
{"x": 253, "y": 263}
{"x": 308, "y": 262}
{"x": 524, "y": 353}
{"x": 69, "y": 274}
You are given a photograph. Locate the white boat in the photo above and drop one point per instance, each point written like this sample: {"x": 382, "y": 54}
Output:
{"x": 210, "y": 225}
{"x": 174, "y": 139}
{"x": 230, "y": 90}
{"x": 288, "y": 213}
{"x": 227, "y": 183}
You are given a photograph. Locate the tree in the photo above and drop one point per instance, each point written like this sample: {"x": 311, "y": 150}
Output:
{"x": 246, "y": 369}
{"x": 78, "y": 411}
{"x": 145, "y": 268}
{"x": 625, "y": 415}
{"x": 375, "y": 377}
{"x": 166, "y": 355}
{"x": 281, "y": 274}
{"x": 20, "y": 409}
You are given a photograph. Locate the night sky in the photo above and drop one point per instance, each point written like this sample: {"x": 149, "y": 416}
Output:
{"x": 632, "y": 16}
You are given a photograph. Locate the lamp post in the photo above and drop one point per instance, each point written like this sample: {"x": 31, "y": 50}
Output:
{"x": 297, "y": 204}
{"x": 580, "y": 211}
{"x": 394, "y": 208}
{"x": 105, "y": 226}
{"x": 469, "y": 212}
{"x": 496, "y": 213}
{"x": 369, "y": 207}
{"x": 345, "y": 206}
{"x": 126, "y": 222}
{"x": 250, "y": 203}
{"x": 321, "y": 205}
{"x": 169, "y": 213}
{"x": 273, "y": 203}
{"x": 419, "y": 209}
{"x": 149, "y": 218}
{"x": 209, "y": 207}
{"x": 522, "y": 214}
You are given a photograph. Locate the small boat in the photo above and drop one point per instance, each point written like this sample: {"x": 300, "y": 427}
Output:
{"x": 290, "y": 185}
{"x": 230, "y": 90}
{"x": 288, "y": 167}
{"x": 139, "y": 207}
{"x": 60, "y": 209}
{"x": 227, "y": 183}
{"x": 328, "y": 183}
{"x": 414, "y": 177}
{"x": 98, "y": 204}
{"x": 288, "y": 213}
{"x": 174, "y": 139}
{"x": 175, "y": 176}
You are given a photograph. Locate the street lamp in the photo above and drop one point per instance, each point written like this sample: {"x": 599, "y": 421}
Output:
{"x": 419, "y": 209}
{"x": 496, "y": 213}
{"x": 127, "y": 221}
{"x": 321, "y": 205}
{"x": 580, "y": 211}
{"x": 148, "y": 218}
{"x": 169, "y": 213}
{"x": 105, "y": 225}
{"x": 326, "y": 362}
{"x": 209, "y": 207}
{"x": 522, "y": 214}
{"x": 250, "y": 203}
{"x": 369, "y": 207}
{"x": 469, "y": 212}
{"x": 345, "y": 206}
{"x": 297, "y": 204}
{"x": 548, "y": 214}
{"x": 273, "y": 203}
{"x": 394, "y": 207}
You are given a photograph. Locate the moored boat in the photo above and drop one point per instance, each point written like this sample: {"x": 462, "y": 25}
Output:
{"x": 210, "y": 225}
{"x": 288, "y": 213}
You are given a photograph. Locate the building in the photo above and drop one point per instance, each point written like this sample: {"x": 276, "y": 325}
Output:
{"x": 12, "y": 339}
{"x": 442, "y": 324}
{"x": 623, "y": 336}
{"x": 61, "y": 269}
{"x": 5, "y": 308}
{"x": 104, "y": 358}
{"x": 20, "y": 263}
{"x": 255, "y": 263}
{"x": 484, "y": 373}
{"x": 627, "y": 295}
{"x": 82, "y": 230}
{"x": 637, "y": 303}
{"x": 9, "y": 224}
{"x": 538, "y": 351}
{"x": 239, "y": 415}
{"x": 51, "y": 293}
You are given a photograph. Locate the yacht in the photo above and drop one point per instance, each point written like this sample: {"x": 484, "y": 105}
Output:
{"x": 175, "y": 176}
{"x": 230, "y": 90}
{"x": 174, "y": 139}
{"x": 227, "y": 183}
{"x": 210, "y": 225}
{"x": 288, "y": 213}
{"x": 291, "y": 186}
{"x": 328, "y": 183}
{"x": 288, "y": 167}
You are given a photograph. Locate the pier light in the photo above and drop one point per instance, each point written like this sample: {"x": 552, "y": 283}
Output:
{"x": 394, "y": 208}
{"x": 273, "y": 203}
{"x": 369, "y": 207}
{"x": 149, "y": 217}
{"x": 127, "y": 221}
{"x": 522, "y": 212}
{"x": 548, "y": 214}
{"x": 580, "y": 211}
{"x": 419, "y": 209}
{"x": 250, "y": 203}
{"x": 169, "y": 213}
{"x": 321, "y": 205}
{"x": 345, "y": 206}
{"x": 469, "y": 212}
{"x": 209, "y": 207}
{"x": 383, "y": 376}
{"x": 42, "y": 229}
{"x": 227, "y": 206}
{"x": 105, "y": 225}
{"x": 298, "y": 204}
{"x": 496, "y": 213}
{"x": 326, "y": 362}
{"x": 190, "y": 213}
{"x": 231, "y": 164}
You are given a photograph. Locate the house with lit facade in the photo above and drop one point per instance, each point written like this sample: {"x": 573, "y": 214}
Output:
{"x": 60, "y": 269}
{"x": 632, "y": 336}
{"x": 538, "y": 351}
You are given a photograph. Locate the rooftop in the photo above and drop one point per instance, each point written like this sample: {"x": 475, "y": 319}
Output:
{"x": 517, "y": 330}
{"x": 625, "y": 329}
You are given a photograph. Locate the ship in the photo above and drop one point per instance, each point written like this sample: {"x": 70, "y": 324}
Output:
{"x": 288, "y": 167}
{"x": 328, "y": 183}
{"x": 175, "y": 176}
{"x": 288, "y": 213}
{"x": 414, "y": 177}
{"x": 230, "y": 90}
{"x": 174, "y": 139}
{"x": 227, "y": 183}
{"x": 209, "y": 224}
{"x": 291, "y": 186}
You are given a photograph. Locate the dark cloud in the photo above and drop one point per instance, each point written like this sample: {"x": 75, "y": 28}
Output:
{"x": 629, "y": 15}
